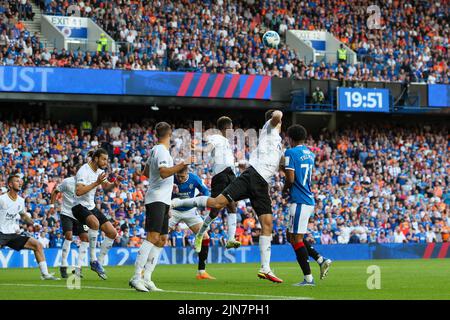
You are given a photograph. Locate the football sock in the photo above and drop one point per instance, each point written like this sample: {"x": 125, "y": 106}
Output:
{"x": 302, "y": 258}
{"x": 152, "y": 261}
{"x": 311, "y": 251}
{"x": 43, "y": 268}
{"x": 93, "y": 235}
{"x": 106, "y": 245}
{"x": 232, "y": 226}
{"x": 206, "y": 224}
{"x": 82, "y": 252}
{"x": 65, "y": 253}
{"x": 203, "y": 255}
{"x": 199, "y": 202}
{"x": 265, "y": 250}
{"x": 141, "y": 260}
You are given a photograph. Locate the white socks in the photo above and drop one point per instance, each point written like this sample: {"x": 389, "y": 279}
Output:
{"x": 152, "y": 261}
{"x": 106, "y": 245}
{"x": 309, "y": 278}
{"x": 65, "y": 253}
{"x": 265, "y": 250}
{"x": 82, "y": 252}
{"x": 142, "y": 258}
{"x": 232, "y": 218}
{"x": 320, "y": 260}
{"x": 206, "y": 224}
{"x": 43, "y": 268}
{"x": 199, "y": 202}
{"x": 93, "y": 235}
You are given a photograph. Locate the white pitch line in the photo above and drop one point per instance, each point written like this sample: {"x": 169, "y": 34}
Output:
{"x": 269, "y": 297}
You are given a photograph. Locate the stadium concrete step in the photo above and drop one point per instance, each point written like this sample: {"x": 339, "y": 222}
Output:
{"x": 35, "y": 26}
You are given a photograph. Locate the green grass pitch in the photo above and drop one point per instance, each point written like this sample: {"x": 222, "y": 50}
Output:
{"x": 400, "y": 279}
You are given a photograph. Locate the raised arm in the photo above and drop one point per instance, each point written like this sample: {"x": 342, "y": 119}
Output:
{"x": 277, "y": 115}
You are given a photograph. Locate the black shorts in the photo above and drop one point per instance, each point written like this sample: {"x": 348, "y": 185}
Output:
{"x": 221, "y": 180}
{"x": 71, "y": 225}
{"x": 250, "y": 185}
{"x": 14, "y": 241}
{"x": 81, "y": 213}
{"x": 157, "y": 217}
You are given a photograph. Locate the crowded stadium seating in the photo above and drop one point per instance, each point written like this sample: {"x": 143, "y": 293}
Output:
{"x": 225, "y": 37}
{"x": 373, "y": 183}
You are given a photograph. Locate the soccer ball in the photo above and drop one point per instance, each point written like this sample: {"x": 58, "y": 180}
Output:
{"x": 271, "y": 39}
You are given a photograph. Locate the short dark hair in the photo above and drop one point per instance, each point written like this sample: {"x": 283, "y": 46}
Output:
{"x": 162, "y": 128}
{"x": 10, "y": 178}
{"x": 297, "y": 133}
{"x": 269, "y": 113}
{"x": 97, "y": 153}
{"x": 223, "y": 122}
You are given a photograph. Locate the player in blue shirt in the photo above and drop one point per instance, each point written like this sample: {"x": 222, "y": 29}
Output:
{"x": 299, "y": 163}
{"x": 186, "y": 186}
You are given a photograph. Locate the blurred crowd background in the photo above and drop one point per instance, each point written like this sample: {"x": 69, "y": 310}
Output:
{"x": 224, "y": 36}
{"x": 373, "y": 183}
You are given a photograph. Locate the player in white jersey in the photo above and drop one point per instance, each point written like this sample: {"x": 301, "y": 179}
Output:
{"x": 88, "y": 178}
{"x": 70, "y": 225}
{"x": 253, "y": 184}
{"x": 223, "y": 170}
{"x": 12, "y": 206}
{"x": 160, "y": 171}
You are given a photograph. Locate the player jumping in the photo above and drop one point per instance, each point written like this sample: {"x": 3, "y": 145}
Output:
{"x": 90, "y": 176}
{"x": 253, "y": 183}
{"x": 222, "y": 167}
{"x": 299, "y": 163}
{"x": 186, "y": 183}
{"x": 160, "y": 170}
{"x": 11, "y": 207}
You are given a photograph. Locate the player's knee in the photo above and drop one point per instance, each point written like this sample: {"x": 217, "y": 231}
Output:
{"x": 153, "y": 238}
{"x": 112, "y": 234}
{"x": 162, "y": 241}
{"x": 94, "y": 224}
{"x": 68, "y": 237}
{"x": 38, "y": 246}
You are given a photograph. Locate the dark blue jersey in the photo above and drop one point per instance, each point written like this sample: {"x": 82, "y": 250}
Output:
{"x": 187, "y": 189}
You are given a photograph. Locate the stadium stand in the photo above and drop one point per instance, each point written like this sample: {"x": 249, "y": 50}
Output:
{"x": 373, "y": 183}
{"x": 225, "y": 37}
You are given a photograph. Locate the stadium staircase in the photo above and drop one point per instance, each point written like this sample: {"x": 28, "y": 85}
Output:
{"x": 35, "y": 26}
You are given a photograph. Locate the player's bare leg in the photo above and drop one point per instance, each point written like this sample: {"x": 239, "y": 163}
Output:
{"x": 36, "y": 246}
{"x": 203, "y": 254}
{"x": 265, "y": 247}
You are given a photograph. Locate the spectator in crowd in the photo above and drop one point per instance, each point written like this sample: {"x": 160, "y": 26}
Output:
{"x": 318, "y": 97}
{"x": 412, "y": 47}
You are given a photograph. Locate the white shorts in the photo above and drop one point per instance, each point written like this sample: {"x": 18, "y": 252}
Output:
{"x": 190, "y": 218}
{"x": 299, "y": 215}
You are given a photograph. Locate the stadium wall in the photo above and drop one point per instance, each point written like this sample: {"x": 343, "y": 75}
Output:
{"x": 246, "y": 254}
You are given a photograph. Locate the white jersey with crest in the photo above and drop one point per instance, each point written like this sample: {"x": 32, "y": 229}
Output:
{"x": 221, "y": 153}
{"x": 159, "y": 189}
{"x": 86, "y": 176}
{"x": 67, "y": 188}
{"x": 265, "y": 159}
{"x": 10, "y": 211}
